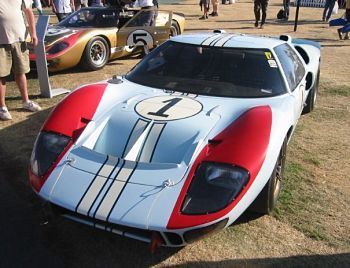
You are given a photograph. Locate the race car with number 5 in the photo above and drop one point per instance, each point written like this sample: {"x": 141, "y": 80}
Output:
{"x": 195, "y": 134}
{"x": 92, "y": 36}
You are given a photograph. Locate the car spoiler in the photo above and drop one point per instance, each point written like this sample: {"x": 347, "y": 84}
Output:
{"x": 306, "y": 42}
{"x": 298, "y": 41}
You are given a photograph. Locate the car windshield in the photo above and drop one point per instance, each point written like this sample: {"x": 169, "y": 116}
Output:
{"x": 92, "y": 18}
{"x": 208, "y": 70}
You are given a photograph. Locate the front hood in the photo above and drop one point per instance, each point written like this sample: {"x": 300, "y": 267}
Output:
{"x": 56, "y": 33}
{"x": 161, "y": 134}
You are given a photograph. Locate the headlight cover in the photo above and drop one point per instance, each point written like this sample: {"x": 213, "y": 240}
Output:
{"x": 48, "y": 146}
{"x": 58, "y": 47}
{"x": 214, "y": 186}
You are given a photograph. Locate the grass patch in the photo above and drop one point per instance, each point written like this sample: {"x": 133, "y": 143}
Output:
{"x": 291, "y": 199}
{"x": 316, "y": 233}
{"x": 298, "y": 200}
{"x": 338, "y": 90}
{"x": 312, "y": 159}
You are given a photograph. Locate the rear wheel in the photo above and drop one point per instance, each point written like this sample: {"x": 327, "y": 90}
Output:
{"x": 96, "y": 54}
{"x": 311, "y": 98}
{"x": 267, "y": 199}
{"x": 174, "y": 28}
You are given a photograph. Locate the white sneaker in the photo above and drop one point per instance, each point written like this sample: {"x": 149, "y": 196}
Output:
{"x": 4, "y": 114}
{"x": 31, "y": 106}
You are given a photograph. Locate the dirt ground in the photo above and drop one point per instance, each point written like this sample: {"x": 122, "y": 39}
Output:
{"x": 311, "y": 225}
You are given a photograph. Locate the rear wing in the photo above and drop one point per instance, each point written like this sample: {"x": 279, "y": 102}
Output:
{"x": 298, "y": 41}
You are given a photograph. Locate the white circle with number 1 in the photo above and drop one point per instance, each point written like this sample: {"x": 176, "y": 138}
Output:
{"x": 140, "y": 38}
{"x": 168, "y": 108}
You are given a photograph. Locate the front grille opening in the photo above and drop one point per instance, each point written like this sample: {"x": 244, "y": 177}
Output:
{"x": 174, "y": 238}
{"x": 131, "y": 232}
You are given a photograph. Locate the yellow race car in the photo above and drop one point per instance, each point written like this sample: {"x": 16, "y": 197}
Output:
{"x": 92, "y": 36}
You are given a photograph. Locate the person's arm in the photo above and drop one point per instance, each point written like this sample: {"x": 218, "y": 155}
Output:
{"x": 52, "y": 4}
{"x": 72, "y": 5}
{"x": 31, "y": 24}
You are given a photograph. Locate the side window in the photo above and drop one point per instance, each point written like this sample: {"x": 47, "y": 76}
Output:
{"x": 291, "y": 64}
{"x": 162, "y": 18}
{"x": 143, "y": 18}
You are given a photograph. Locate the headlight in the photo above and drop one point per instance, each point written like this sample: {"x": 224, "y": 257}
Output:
{"x": 48, "y": 146}
{"x": 214, "y": 186}
{"x": 58, "y": 47}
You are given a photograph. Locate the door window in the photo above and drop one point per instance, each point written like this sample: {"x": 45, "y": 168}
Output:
{"x": 291, "y": 64}
{"x": 144, "y": 18}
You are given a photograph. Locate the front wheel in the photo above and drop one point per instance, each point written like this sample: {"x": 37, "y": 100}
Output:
{"x": 267, "y": 199}
{"x": 96, "y": 54}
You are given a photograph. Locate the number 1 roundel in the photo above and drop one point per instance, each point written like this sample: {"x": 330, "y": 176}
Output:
{"x": 168, "y": 108}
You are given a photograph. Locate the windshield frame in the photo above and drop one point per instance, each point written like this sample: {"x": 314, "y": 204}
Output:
{"x": 284, "y": 88}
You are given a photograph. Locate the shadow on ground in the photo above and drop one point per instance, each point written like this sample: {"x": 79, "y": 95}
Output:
{"x": 28, "y": 239}
{"x": 336, "y": 260}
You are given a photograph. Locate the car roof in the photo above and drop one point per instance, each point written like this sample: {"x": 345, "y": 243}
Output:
{"x": 229, "y": 40}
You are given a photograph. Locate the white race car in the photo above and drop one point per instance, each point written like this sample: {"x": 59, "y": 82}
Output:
{"x": 195, "y": 134}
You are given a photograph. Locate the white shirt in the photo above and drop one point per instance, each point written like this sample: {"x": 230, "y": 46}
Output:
{"x": 144, "y": 3}
{"x": 12, "y": 25}
{"x": 62, "y": 6}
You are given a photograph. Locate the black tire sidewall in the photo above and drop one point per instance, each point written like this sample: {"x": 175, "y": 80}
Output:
{"x": 310, "y": 101}
{"x": 86, "y": 59}
{"x": 175, "y": 26}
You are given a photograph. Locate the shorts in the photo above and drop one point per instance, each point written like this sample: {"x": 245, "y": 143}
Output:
{"x": 205, "y": 3}
{"x": 14, "y": 57}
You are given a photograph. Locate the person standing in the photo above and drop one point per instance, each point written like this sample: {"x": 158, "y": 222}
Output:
{"x": 62, "y": 8}
{"x": 150, "y": 16}
{"x": 77, "y": 4}
{"x": 286, "y": 4}
{"x": 38, "y": 6}
{"x": 328, "y": 8}
{"x": 204, "y": 4}
{"x": 95, "y": 3}
{"x": 14, "y": 54}
{"x": 215, "y": 4}
{"x": 260, "y": 5}
{"x": 144, "y": 4}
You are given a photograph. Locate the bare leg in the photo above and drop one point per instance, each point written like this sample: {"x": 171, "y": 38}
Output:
{"x": 21, "y": 81}
{"x": 215, "y": 7}
{"x": 2, "y": 91}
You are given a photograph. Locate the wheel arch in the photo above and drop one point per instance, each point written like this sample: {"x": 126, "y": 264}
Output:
{"x": 289, "y": 133}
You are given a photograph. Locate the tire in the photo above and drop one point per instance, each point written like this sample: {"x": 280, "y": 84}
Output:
{"x": 267, "y": 199}
{"x": 311, "y": 98}
{"x": 174, "y": 28}
{"x": 95, "y": 55}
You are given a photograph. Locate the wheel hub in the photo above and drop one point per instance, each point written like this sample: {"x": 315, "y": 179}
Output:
{"x": 98, "y": 53}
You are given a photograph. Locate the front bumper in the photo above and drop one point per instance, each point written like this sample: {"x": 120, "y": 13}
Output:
{"x": 167, "y": 239}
